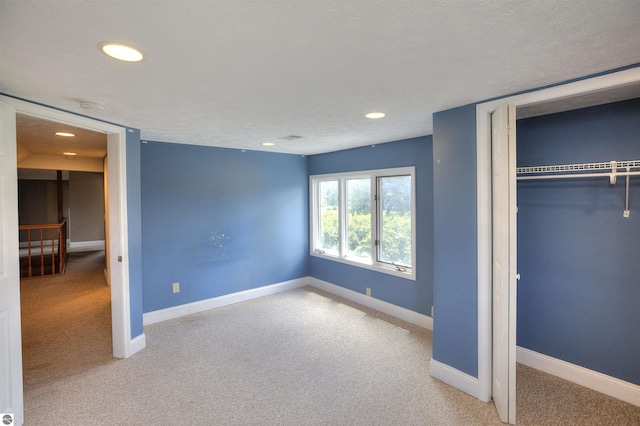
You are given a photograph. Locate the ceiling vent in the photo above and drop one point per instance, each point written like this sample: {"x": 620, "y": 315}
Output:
{"x": 290, "y": 137}
{"x": 92, "y": 106}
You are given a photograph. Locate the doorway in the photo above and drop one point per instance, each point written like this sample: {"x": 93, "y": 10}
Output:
{"x": 117, "y": 254}
{"x": 592, "y": 87}
{"x": 115, "y": 178}
{"x": 66, "y": 315}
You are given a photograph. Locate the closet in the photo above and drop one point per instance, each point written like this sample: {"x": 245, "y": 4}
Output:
{"x": 579, "y": 237}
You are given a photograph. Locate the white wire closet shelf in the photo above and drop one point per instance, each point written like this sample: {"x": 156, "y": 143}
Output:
{"x": 609, "y": 169}
{"x": 606, "y": 168}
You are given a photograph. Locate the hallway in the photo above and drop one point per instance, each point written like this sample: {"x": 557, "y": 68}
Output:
{"x": 66, "y": 323}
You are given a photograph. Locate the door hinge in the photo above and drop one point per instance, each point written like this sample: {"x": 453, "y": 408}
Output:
{"x": 119, "y": 258}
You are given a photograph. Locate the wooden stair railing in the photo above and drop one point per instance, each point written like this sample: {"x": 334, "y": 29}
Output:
{"x": 58, "y": 243}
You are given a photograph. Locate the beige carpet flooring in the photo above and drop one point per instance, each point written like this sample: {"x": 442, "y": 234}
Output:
{"x": 66, "y": 322}
{"x": 301, "y": 357}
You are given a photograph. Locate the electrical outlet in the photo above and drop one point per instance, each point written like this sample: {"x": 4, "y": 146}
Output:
{"x": 368, "y": 292}
{"x": 431, "y": 311}
{"x": 175, "y": 287}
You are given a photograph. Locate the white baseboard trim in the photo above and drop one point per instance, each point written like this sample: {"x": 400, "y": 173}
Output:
{"x": 217, "y": 302}
{"x": 404, "y": 314}
{"x": 454, "y": 377}
{"x": 86, "y": 246}
{"x": 625, "y": 391}
{"x": 137, "y": 344}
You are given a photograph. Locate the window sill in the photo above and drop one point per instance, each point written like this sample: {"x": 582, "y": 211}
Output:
{"x": 390, "y": 270}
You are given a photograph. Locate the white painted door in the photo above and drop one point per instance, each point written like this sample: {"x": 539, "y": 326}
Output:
{"x": 503, "y": 153}
{"x": 10, "y": 328}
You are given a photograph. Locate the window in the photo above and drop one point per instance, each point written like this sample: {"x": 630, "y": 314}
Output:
{"x": 328, "y": 235}
{"x": 366, "y": 219}
{"x": 394, "y": 194}
{"x": 359, "y": 218}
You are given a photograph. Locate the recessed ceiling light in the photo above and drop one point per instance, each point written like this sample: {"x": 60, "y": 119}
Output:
{"x": 120, "y": 51}
{"x": 65, "y": 134}
{"x": 71, "y": 154}
{"x": 268, "y": 144}
{"x": 375, "y": 115}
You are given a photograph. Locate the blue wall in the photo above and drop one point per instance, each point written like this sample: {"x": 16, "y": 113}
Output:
{"x": 579, "y": 295}
{"x": 455, "y": 322}
{"x": 220, "y": 221}
{"x": 414, "y": 295}
{"x": 134, "y": 230}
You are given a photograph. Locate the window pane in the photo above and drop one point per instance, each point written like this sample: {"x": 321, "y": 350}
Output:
{"x": 328, "y": 236}
{"x": 395, "y": 220}
{"x": 359, "y": 218}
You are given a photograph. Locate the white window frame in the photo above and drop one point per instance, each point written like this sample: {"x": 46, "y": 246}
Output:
{"x": 342, "y": 257}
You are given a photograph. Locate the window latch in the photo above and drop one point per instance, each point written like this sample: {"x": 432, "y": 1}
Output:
{"x": 399, "y": 268}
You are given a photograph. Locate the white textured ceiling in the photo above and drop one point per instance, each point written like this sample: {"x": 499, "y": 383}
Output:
{"x": 235, "y": 73}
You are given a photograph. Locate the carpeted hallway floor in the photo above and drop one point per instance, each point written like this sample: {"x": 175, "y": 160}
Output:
{"x": 302, "y": 357}
{"x": 66, "y": 322}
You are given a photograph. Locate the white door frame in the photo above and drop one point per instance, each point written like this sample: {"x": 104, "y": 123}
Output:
{"x": 118, "y": 234}
{"x": 11, "y": 394}
{"x": 484, "y": 207}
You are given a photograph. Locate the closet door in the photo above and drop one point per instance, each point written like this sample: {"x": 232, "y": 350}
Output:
{"x": 503, "y": 153}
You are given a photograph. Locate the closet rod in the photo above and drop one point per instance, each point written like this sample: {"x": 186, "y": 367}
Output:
{"x": 607, "y": 169}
